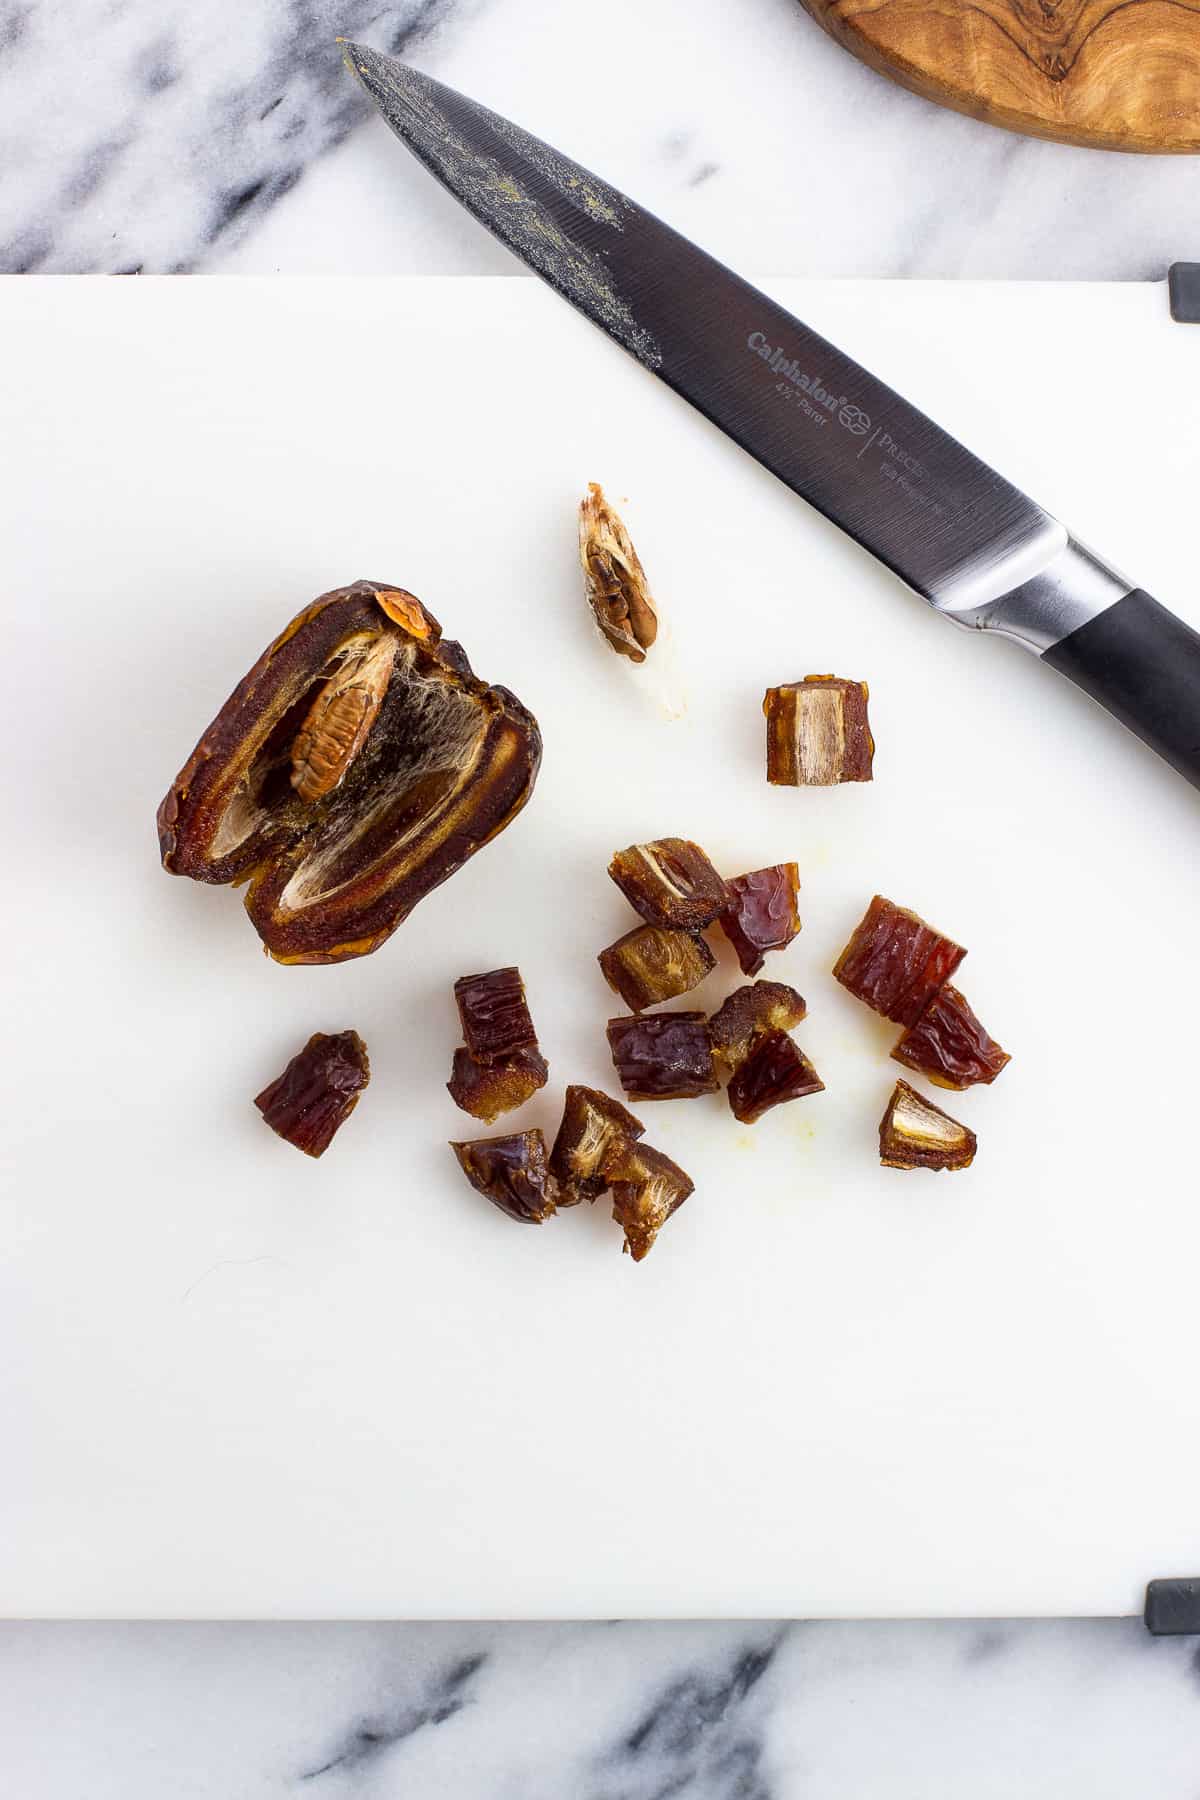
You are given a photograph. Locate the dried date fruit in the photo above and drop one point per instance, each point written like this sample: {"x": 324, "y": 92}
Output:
{"x": 775, "y": 1070}
{"x": 763, "y": 915}
{"x": 614, "y": 578}
{"x": 357, "y": 766}
{"x": 317, "y": 1091}
{"x": 663, "y": 1056}
{"x": 651, "y": 964}
{"x": 647, "y": 1187}
{"x": 916, "y": 1134}
{"x": 495, "y": 1017}
{"x": 485, "y": 1090}
{"x": 750, "y": 1012}
{"x": 670, "y": 882}
{"x": 949, "y": 1045}
{"x": 511, "y": 1172}
{"x": 895, "y": 962}
{"x": 818, "y": 733}
{"x": 591, "y": 1125}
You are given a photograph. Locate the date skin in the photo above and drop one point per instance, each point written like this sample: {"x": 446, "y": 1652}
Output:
{"x": 494, "y": 1014}
{"x": 949, "y": 1046}
{"x": 895, "y": 962}
{"x": 592, "y": 1123}
{"x": 647, "y": 1188}
{"x": 511, "y": 1172}
{"x": 485, "y": 1090}
{"x": 651, "y": 964}
{"x": 663, "y": 1056}
{"x": 764, "y": 914}
{"x": 357, "y": 766}
{"x": 310, "y": 1102}
{"x": 775, "y": 1071}
{"x": 670, "y": 881}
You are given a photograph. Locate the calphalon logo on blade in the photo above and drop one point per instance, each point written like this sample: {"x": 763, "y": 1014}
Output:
{"x": 852, "y": 417}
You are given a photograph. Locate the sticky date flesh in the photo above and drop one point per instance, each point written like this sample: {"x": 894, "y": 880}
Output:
{"x": 651, "y": 964}
{"x": 949, "y": 1045}
{"x": 647, "y": 1187}
{"x": 663, "y": 1056}
{"x": 764, "y": 913}
{"x": 512, "y": 1173}
{"x": 485, "y": 1090}
{"x": 916, "y": 1134}
{"x": 670, "y": 881}
{"x": 317, "y": 1092}
{"x": 776, "y": 1070}
{"x": 494, "y": 1014}
{"x": 818, "y": 733}
{"x": 591, "y": 1124}
{"x": 895, "y": 962}
{"x": 357, "y": 766}
{"x": 749, "y": 1013}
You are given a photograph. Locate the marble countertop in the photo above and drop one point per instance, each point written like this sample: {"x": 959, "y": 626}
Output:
{"x": 161, "y": 135}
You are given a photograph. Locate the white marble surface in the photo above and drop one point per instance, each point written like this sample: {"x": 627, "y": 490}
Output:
{"x": 1091, "y": 1710}
{"x": 161, "y": 134}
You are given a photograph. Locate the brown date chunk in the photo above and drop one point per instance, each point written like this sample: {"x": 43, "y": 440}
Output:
{"x": 317, "y": 1091}
{"x": 916, "y": 1134}
{"x": 663, "y": 1056}
{"x": 749, "y": 1013}
{"x": 511, "y": 1172}
{"x": 949, "y": 1045}
{"x": 614, "y": 578}
{"x": 670, "y": 882}
{"x": 495, "y": 1017}
{"x": 485, "y": 1090}
{"x": 591, "y": 1125}
{"x": 818, "y": 733}
{"x": 357, "y": 766}
{"x": 647, "y": 1187}
{"x": 775, "y": 1070}
{"x": 764, "y": 914}
{"x": 895, "y": 962}
{"x": 652, "y": 963}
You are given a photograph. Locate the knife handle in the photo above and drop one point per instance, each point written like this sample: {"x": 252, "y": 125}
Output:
{"x": 1143, "y": 664}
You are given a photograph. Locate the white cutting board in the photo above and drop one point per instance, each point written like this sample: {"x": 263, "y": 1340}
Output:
{"x": 236, "y": 1382}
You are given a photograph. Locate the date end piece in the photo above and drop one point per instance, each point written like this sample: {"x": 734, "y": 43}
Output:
{"x": 512, "y": 1173}
{"x": 652, "y": 963}
{"x": 614, "y": 578}
{"x": 647, "y": 1187}
{"x": 485, "y": 1090}
{"x": 670, "y": 882}
{"x": 663, "y": 1056}
{"x": 309, "y": 1103}
{"x": 916, "y": 1134}
{"x": 895, "y": 962}
{"x": 949, "y": 1046}
{"x": 591, "y": 1124}
{"x": 818, "y": 733}
{"x": 764, "y": 914}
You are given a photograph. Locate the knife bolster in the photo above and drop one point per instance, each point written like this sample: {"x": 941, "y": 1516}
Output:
{"x": 1075, "y": 587}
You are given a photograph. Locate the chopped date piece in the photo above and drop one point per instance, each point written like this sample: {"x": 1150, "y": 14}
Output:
{"x": 916, "y": 1134}
{"x": 651, "y": 963}
{"x": 670, "y": 882}
{"x": 763, "y": 915}
{"x": 317, "y": 1091}
{"x": 775, "y": 1070}
{"x": 749, "y": 1012}
{"x": 495, "y": 1018}
{"x": 949, "y": 1045}
{"x": 896, "y": 962}
{"x": 485, "y": 1090}
{"x": 511, "y": 1172}
{"x": 357, "y": 766}
{"x": 663, "y": 1056}
{"x": 647, "y": 1187}
{"x": 817, "y": 732}
{"x": 591, "y": 1125}
{"x": 614, "y": 578}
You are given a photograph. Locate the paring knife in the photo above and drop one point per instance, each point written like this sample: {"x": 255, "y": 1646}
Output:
{"x": 972, "y": 545}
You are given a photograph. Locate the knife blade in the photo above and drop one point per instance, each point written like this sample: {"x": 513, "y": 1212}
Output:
{"x": 971, "y": 544}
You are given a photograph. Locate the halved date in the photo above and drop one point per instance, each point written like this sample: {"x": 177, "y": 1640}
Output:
{"x": 949, "y": 1045}
{"x": 317, "y": 1091}
{"x": 670, "y": 882}
{"x": 356, "y": 766}
{"x": 663, "y": 1056}
{"x": 818, "y": 733}
{"x": 652, "y": 963}
{"x": 591, "y": 1124}
{"x": 485, "y": 1090}
{"x": 776, "y": 1070}
{"x": 494, "y": 1014}
{"x": 763, "y": 914}
{"x": 895, "y": 962}
{"x": 647, "y": 1187}
{"x": 511, "y": 1172}
{"x": 748, "y": 1013}
{"x": 916, "y": 1134}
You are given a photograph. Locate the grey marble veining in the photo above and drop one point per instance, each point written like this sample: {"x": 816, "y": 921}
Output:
{"x": 1070, "y": 1710}
{"x": 162, "y": 134}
